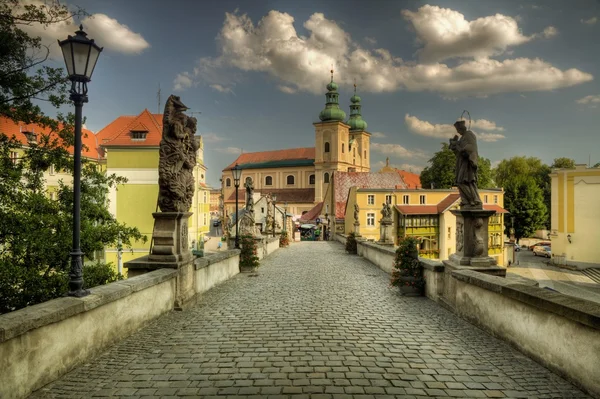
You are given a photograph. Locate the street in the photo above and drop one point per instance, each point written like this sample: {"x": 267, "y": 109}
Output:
{"x": 569, "y": 282}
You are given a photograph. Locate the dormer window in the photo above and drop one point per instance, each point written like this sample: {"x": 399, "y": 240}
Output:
{"x": 138, "y": 135}
{"x": 31, "y": 137}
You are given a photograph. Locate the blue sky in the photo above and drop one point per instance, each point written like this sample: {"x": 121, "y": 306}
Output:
{"x": 526, "y": 71}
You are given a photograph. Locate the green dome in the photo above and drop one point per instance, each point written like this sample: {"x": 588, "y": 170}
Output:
{"x": 357, "y": 124}
{"x": 356, "y": 121}
{"x": 355, "y": 99}
{"x": 332, "y": 114}
{"x": 332, "y": 86}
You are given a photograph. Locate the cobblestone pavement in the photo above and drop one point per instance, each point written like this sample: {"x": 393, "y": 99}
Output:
{"x": 314, "y": 323}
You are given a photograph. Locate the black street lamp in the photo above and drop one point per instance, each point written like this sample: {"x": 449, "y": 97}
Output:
{"x": 274, "y": 196}
{"x": 285, "y": 217}
{"x": 81, "y": 55}
{"x": 236, "y": 171}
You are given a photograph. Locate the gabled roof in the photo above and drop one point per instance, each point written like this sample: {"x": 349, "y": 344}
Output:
{"x": 313, "y": 214}
{"x": 17, "y": 129}
{"x": 343, "y": 181}
{"x": 118, "y": 132}
{"x": 447, "y": 202}
{"x": 275, "y": 159}
{"x": 291, "y": 195}
{"x": 412, "y": 180}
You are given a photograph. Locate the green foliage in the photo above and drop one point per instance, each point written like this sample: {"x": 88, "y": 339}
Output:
{"x": 351, "y": 245}
{"x": 563, "y": 163}
{"x": 525, "y": 202}
{"x": 407, "y": 269}
{"x": 596, "y": 165}
{"x": 99, "y": 274}
{"x": 284, "y": 240}
{"x": 248, "y": 254}
{"x": 441, "y": 172}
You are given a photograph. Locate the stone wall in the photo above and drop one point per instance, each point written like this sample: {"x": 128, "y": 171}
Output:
{"x": 40, "y": 343}
{"x": 558, "y": 331}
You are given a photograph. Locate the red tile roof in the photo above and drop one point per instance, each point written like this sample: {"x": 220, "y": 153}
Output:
{"x": 447, "y": 202}
{"x": 313, "y": 214}
{"x": 292, "y": 195}
{"x": 343, "y": 181}
{"x": 118, "y": 132}
{"x": 274, "y": 156}
{"x": 412, "y": 180}
{"x": 417, "y": 209}
{"x": 494, "y": 207}
{"x": 10, "y": 128}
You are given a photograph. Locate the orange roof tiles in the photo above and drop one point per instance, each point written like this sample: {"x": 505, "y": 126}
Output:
{"x": 11, "y": 128}
{"x": 276, "y": 155}
{"x": 447, "y": 202}
{"x": 412, "y": 180}
{"x": 493, "y": 207}
{"x": 313, "y": 214}
{"x": 118, "y": 132}
{"x": 417, "y": 209}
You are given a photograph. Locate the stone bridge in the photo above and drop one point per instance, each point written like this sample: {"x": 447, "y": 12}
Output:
{"x": 313, "y": 322}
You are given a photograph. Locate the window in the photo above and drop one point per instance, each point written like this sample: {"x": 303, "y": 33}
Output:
{"x": 51, "y": 170}
{"x": 405, "y": 199}
{"x": 351, "y": 169}
{"x": 228, "y": 182}
{"x": 422, "y": 199}
{"x": 290, "y": 180}
{"x": 268, "y": 181}
{"x": 449, "y": 232}
{"x": 485, "y": 199}
{"x": 495, "y": 199}
{"x": 371, "y": 199}
{"x": 326, "y": 147}
{"x": 326, "y": 208}
{"x": 138, "y": 136}
{"x": 53, "y": 196}
{"x": 14, "y": 156}
{"x": 365, "y": 154}
{"x": 370, "y": 219}
{"x": 388, "y": 199}
{"x": 326, "y": 178}
{"x": 311, "y": 179}
{"x": 262, "y": 209}
{"x": 342, "y": 148}
{"x": 354, "y": 152}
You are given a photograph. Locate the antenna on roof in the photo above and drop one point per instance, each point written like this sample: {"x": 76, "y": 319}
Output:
{"x": 158, "y": 97}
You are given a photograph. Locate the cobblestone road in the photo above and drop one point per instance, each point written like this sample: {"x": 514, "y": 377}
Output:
{"x": 315, "y": 323}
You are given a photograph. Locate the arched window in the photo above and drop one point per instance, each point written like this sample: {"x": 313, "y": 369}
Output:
{"x": 326, "y": 178}
{"x": 268, "y": 181}
{"x": 326, "y": 147}
{"x": 365, "y": 154}
{"x": 342, "y": 148}
{"x": 290, "y": 180}
{"x": 228, "y": 182}
{"x": 311, "y": 179}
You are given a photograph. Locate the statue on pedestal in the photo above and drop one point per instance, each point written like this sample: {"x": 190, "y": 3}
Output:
{"x": 386, "y": 213}
{"x": 356, "y": 211}
{"x": 467, "y": 157}
{"x": 247, "y": 221}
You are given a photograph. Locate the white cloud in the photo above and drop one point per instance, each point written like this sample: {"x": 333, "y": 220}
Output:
{"x": 287, "y": 89}
{"x": 229, "y": 150}
{"x": 549, "y": 32}
{"x": 590, "y": 21}
{"x": 182, "y": 81}
{"x": 301, "y": 63}
{"x": 106, "y": 31}
{"x": 378, "y": 135}
{"x": 397, "y": 150}
{"x": 592, "y": 100}
{"x": 222, "y": 89}
{"x": 212, "y": 138}
{"x": 445, "y": 130}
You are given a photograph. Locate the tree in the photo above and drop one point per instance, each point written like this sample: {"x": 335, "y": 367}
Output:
{"x": 596, "y": 165}
{"x": 441, "y": 173}
{"x": 525, "y": 202}
{"x": 563, "y": 163}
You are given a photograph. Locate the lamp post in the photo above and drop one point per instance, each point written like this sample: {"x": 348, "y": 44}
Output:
{"x": 274, "y": 196}
{"x": 81, "y": 55}
{"x": 326, "y": 229}
{"x": 285, "y": 216}
{"x": 236, "y": 171}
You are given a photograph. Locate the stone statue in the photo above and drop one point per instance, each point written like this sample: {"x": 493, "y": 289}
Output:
{"x": 386, "y": 212}
{"x": 356, "y": 210}
{"x": 249, "y": 195}
{"x": 269, "y": 217}
{"x": 177, "y": 160}
{"x": 465, "y": 148}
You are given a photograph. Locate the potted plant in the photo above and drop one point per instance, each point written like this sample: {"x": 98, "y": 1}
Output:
{"x": 351, "y": 246}
{"x": 284, "y": 241}
{"x": 248, "y": 254}
{"x": 408, "y": 272}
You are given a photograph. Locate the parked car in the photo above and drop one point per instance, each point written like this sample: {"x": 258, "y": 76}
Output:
{"x": 545, "y": 244}
{"x": 542, "y": 250}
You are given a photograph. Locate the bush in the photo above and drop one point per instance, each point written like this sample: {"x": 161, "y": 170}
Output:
{"x": 248, "y": 254}
{"x": 407, "y": 269}
{"x": 284, "y": 241}
{"x": 99, "y": 274}
{"x": 351, "y": 246}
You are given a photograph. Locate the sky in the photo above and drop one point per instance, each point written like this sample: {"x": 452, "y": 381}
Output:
{"x": 527, "y": 72}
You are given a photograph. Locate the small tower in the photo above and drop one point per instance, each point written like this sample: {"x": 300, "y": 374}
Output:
{"x": 359, "y": 137}
{"x": 331, "y": 141}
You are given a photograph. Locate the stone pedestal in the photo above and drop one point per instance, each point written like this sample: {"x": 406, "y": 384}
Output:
{"x": 472, "y": 238}
{"x": 170, "y": 237}
{"x": 356, "y": 229}
{"x": 385, "y": 232}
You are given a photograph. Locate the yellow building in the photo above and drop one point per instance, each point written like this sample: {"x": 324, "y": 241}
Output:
{"x": 425, "y": 215}
{"x": 130, "y": 145}
{"x": 301, "y": 176}
{"x": 575, "y": 215}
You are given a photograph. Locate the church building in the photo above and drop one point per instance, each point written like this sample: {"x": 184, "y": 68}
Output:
{"x": 300, "y": 176}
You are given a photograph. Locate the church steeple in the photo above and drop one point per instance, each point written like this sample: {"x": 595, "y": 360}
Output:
{"x": 332, "y": 111}
{"x": 356, "y": 122}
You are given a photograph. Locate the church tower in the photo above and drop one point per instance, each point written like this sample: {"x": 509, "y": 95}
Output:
{"x": 332, "y": 141}
{"x": 360, "y": 139}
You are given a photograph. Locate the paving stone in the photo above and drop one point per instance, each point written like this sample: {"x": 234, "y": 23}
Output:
{"x": 316, "y": 323}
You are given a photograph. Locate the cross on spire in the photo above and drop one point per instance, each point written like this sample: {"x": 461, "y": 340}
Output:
{"x": 354, "y": 85}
